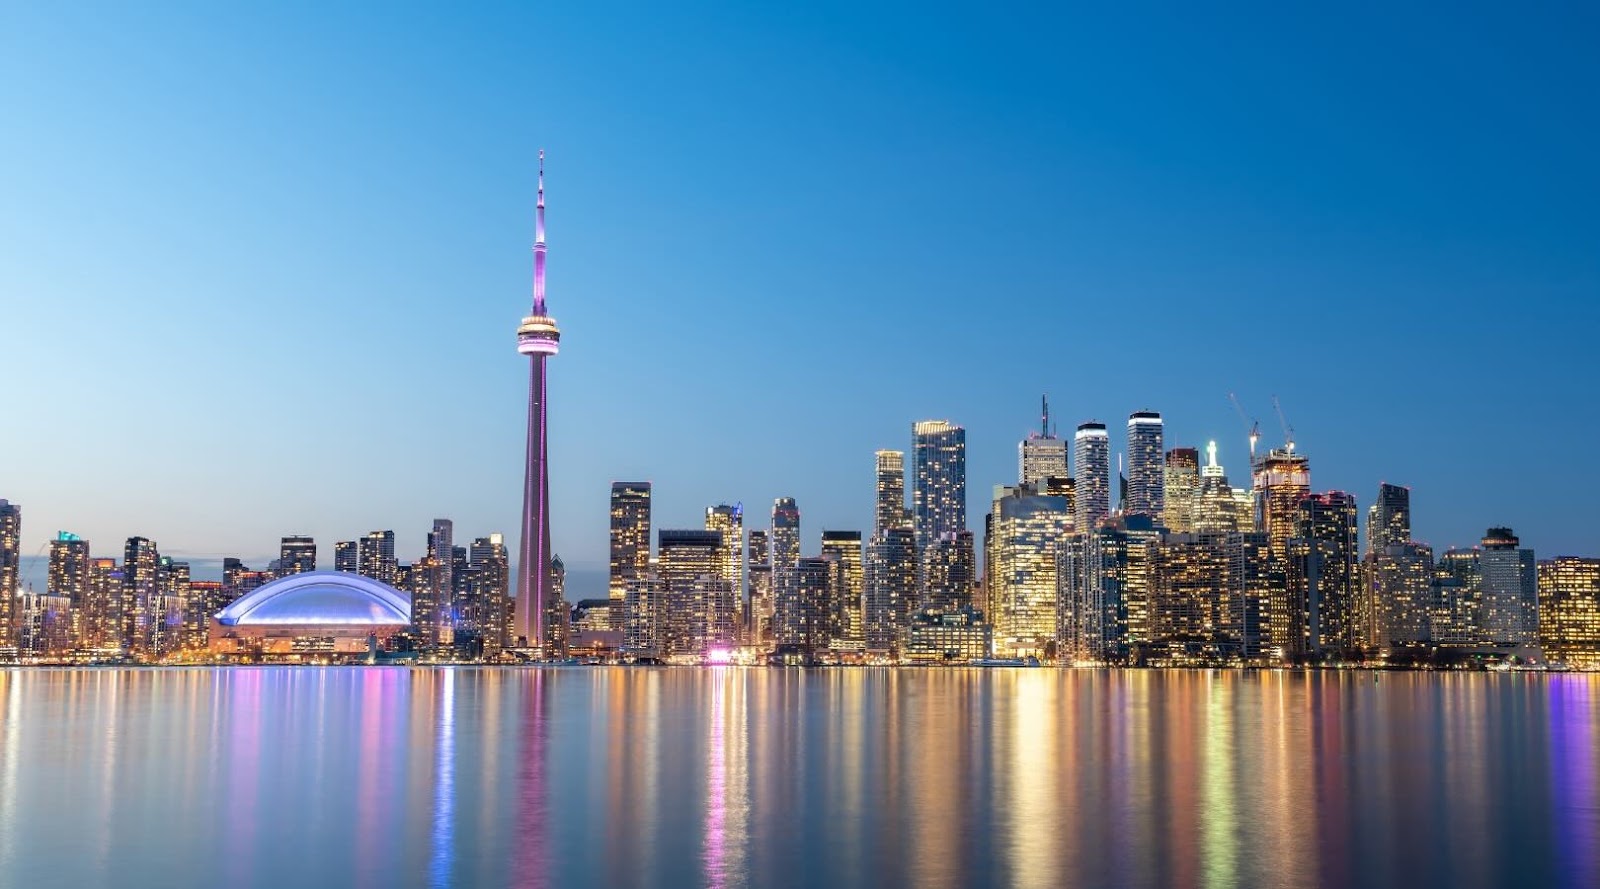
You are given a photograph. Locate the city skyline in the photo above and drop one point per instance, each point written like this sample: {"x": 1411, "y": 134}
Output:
{"x": 1251, "y": 249}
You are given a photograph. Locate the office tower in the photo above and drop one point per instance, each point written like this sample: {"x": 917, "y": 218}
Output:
{"x": 891, "y": 588}
{"x": 558, "y": 617}
{"x": 141, "y": 594}
{"x": 1510, "y": 590}
{"x": 1041, "y": 455}
{"x": 949, "y": 571}
{"x": 1182, "y": 487}
{"x": 763, "y": 600}
{"x": 376, "y": 557}
{"x": 69, "y": 579}
{"x": 939, "y": 480}
{"x": 1403, "y": 589}
{"x": 1023, "y": 532}
{"x": 630, "y": 543}
{"x": 206, "y": 598}
{"x": 539, "y": 339}
{"x": 1325, "y": 580}
{"x": 891, "y": 500}
{"x": 847, "y": 593}
{"x": 10, "y": 567}
{"x": 1147, "y": 482}
{"x": 644, "y": 616}
{"x": 1092, "y": 475}
{"x": 173, "y": 580}
{"x": 102, "y": 622}
{"x": 346, "y": 556}
{"x": 1389, "y": 518}
{"x": 785, "y": 544}
{"x": 1569, "y": 611}
{"x": 699, "y": 599}
{"x": 1215, "y": 509}
{"x": 729, "y": 522}
{"x": 297, "y": 554}
{"x": 1456, "y": 618}
{"x": 490, "y": 598}
{"x": 1281, "y": 480}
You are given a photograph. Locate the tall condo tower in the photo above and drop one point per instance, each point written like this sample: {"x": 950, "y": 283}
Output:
{"x": 1092, "y": 459}
{"x": 891, "y": 502}
{"x": 939, "y": 480}
{"x": 1041, "y": 455}
{"x": 539, "y": 339}
{"x": 630, "y": 543}
{"x": 10, "y": 563}
{"x": 1146, "y": 467}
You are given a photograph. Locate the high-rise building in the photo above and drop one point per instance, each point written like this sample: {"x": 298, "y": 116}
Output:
{"x": 891, "y": 500}
{"x": 1042, "y": 455}
{"x": 1024, "y": 530}
{"x": 1403, "y": 589}
{"x": 630, "y": 543}
{"x": 805, "y": 617}
{"x": 206, "y": 598}
{"x": 1182, "y": 489}
{"x": 1281, "y": 480}
{"x": 1215, "y": 509}
{"x": 297, "y": 554}
{"x": 103, "y": 621}
{"x": 141, "y": 595}
{"x": 891, "y": 588}
{"x": 69, "y": 579}
{"x": 763, "y": 601}
{"x": 1325, "y": 578}
{"x": 1147, "y": 481}
{"x": 949, "y": 569}
{"x": 729, "y": 522}
{"x": 1510, "y": 590}
{"x": 346, "y": 556}
{"x": 847, "y": 595}
{"x": 173, "y": 580}
{"x": 644, "y": 616}
{"x": 699, "y": 598}
{"x": 785, "y": 561}
{"x": 489, "y": 600}
{"x": 10, "y": 568}
{"x": 441, "y": 547}
{"x": 1456, "y": 618}
{"x": 1092, "y": 475}
{"x": 539, "y": 339}
{"x": 375, "y": 557}
{"x": 1569, "y": 611}
{"x": 1389, "y": 518}
{"x": 939, "y": 480}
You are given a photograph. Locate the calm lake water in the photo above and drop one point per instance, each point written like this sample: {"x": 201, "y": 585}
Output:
{"x": 389, "y": 777}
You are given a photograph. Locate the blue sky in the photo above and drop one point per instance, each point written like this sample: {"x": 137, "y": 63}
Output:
{"x": 260, "y": 268}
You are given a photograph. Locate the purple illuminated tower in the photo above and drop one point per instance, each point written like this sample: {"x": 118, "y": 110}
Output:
{"x": 538, "y": 338}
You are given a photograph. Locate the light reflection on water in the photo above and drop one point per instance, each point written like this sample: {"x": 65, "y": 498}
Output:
{"x": 727, "y": 777}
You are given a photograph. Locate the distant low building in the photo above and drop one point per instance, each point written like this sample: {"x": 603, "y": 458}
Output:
{"x": 947, "y": 637}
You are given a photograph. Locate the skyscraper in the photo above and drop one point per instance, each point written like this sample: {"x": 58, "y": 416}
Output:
{"x": 1402, "y": 589}
{"x": 346, "y": 556}
{"x": 1182, "y": 484}
{"x": 1281, "y": 480}
{"x": 699, "y": 598}
{"x": 939, "y": 479}
{"x": 141, "y": 594}
{"x": 1389, "y": 518}
{"x": 891, "y": 588}
{"x": 785, "y": 558}
{"x": 489, "y": 599}
{"x": 103, "y": 622}
{"x": 69, "y": 579}
{"x": 1569, "y": 611}
{"x": 1510, "y": 590}
{"x": 1042, "y": 455}
{"x": 847, "y": 594}
{"x": 891, "y": 499}
{"x": 376, "y": 557}
{"x": 949, "y": 569}
{"x": 630, "y": 543}
{"x": 297, "y": 554}
{"x": 539, "y": 339}
{"x": 1146, "y": 466}
{"x": 763, "y": 600}
{"x": 1024, "y": 531}
{"x": 729, "y": 522}
{"x": 1092, "y": 474}
{"x": 10, "y": 565}
{"x": 1324, "y": 576}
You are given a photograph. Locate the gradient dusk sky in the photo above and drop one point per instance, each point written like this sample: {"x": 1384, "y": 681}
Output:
{"x": 260, "y": 270}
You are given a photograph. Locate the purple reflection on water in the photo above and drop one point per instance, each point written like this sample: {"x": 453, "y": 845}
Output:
{"x": 531, "y": 859}
{"x": 1572, "y": 753}
{"x": 444, "y": 783}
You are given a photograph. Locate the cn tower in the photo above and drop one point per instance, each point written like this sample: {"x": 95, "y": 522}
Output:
{"x": 539, "y": 339}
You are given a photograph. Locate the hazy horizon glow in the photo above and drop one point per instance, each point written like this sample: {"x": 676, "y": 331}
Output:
{"x": 261, "y": 269}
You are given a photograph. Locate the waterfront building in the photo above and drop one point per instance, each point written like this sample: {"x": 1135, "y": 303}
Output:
{"x": 1181, "y": 484}
{"x": 891, "y": 588}
{"x": 763, "y": 601}
{"x": 346, "y": 556}
{"x": 729, "y": 522}
{"x": 1569, "y": 611}
{"x": 10, "y": 570}
{"x": 1042, "y": 455}
{"x": 1092, "y": 475}
{"x": 102, "y": 621}
{"x": 890, "y": 505}
{"x": 1405, "y": 593}
{"x": 847, "y": 593}
{"x": 297, "y": 554}
{"x": 785, "y": 543}
{"x": 313, "y": 615}
{"x": 206, "y": 598}
{"x": 1198, "y": 606}
{"x": 959, "y": 636}
{"x": 1510, "y": 590}
{"x": 700, "y": 604}
{"x": 1389, "y": 518}
{"x": 630, "y": 543}
{"x": 69, "y": 579}
{"x": 141, "y": 595}
{"x": 375, "y": 557}
{"x": 1146, "y": 466}
{"x": 485, "y": 606}
{"x": 539, "y": 338}
{"x": 644, "y": 616}
{"x": 949, "y": 569}
{"x": 1024, "y": 531}
{"x": 1325, "y": 580}
{"x": 173, "y": 580}
{"x": 808, "y": 620}
{"x": 43, "y": 624}
{"x": 939, "y": 480}
{"x": 1456, "y": 618}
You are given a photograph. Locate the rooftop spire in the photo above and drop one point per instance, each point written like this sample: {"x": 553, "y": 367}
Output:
{"x": 538, "y": 245}
{"x": 1044, "y": 416}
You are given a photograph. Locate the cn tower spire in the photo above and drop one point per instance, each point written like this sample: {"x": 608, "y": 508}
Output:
{"x": 538, "y": 245}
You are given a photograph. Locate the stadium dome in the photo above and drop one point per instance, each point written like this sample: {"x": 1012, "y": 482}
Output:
{"x": 320, "y": 599}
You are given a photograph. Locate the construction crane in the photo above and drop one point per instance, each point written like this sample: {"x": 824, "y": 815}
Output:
{"x": 1288, "y": 431}
{"x": 1250, "y": 422}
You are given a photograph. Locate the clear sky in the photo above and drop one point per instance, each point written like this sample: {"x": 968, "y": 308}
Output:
{"x": 260, "y": 270}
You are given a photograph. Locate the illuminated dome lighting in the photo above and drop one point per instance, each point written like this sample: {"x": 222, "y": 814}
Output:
{"x": 320, "y": 598}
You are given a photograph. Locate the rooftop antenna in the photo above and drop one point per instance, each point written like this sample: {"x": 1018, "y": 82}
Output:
{"x": 1288, "y": 431}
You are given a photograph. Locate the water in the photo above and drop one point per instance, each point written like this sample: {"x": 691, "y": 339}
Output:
{"x": 383, "y": 777}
